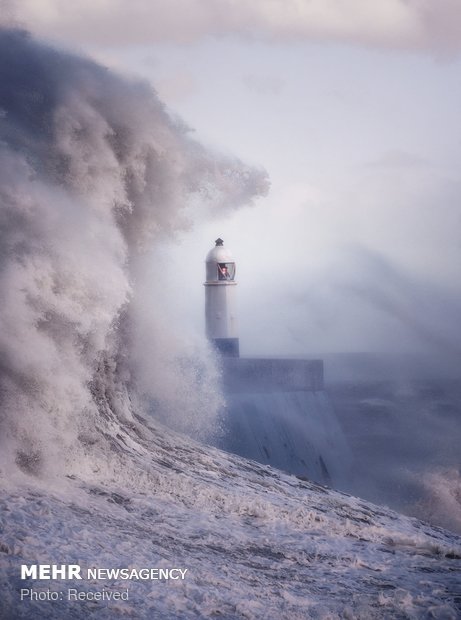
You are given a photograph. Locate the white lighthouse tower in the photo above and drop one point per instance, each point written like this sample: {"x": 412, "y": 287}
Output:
{"x": 220, "y": 300}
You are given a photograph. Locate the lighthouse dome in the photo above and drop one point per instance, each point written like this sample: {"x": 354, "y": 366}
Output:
{"x": 219, "y": 254}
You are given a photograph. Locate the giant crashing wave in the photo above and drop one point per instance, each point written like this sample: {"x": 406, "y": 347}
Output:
{"x": 94, "y": 175}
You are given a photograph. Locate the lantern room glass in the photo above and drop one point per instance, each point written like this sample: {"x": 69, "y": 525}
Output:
{"x": 226, "y": 271}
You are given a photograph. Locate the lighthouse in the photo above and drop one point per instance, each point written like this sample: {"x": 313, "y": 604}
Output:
{"x": 220, "y": 300}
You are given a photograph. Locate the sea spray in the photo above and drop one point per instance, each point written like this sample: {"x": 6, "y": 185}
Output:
{"x": 94, "y": 172}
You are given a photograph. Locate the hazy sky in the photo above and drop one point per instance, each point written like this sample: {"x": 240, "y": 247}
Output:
{"x": 353, "y": 108}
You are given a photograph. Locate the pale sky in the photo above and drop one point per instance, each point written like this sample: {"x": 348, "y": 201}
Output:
{"x": 353, "y": 108}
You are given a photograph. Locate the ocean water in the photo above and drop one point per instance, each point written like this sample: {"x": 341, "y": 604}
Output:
{"x": 404, "y": 436}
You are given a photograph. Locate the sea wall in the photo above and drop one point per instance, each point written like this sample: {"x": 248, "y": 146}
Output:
{"x": 277, "y": 413}
{"x": 271, "y": 375}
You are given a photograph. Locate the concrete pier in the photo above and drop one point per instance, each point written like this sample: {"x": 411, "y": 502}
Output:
{"x": 278, "y": 413}
{"x": 271, "y": 375}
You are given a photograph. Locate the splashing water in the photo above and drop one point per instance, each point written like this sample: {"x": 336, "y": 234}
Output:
{"x": 93, "y": 173}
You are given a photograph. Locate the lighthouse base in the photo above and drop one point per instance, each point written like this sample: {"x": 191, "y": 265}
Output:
{"x": 228, "y": 347}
